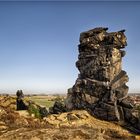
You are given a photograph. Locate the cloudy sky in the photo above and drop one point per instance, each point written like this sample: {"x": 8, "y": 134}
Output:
{"x": 38, "y": 42}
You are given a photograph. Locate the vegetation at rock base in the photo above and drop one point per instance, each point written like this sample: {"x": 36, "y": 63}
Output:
{"x": 34, "y": 111}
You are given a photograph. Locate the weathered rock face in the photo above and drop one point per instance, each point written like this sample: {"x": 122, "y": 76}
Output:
{"x": 101, "y": 85}
{"x": 20, "y": 104}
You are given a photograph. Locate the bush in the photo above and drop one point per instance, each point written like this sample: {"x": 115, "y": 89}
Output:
{"x": 34, "y": 110}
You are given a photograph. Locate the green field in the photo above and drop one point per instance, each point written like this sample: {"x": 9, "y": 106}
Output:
{"x": 46, "y": 101}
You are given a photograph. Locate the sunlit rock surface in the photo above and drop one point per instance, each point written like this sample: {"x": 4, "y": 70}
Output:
{"x": 101, "y": 84}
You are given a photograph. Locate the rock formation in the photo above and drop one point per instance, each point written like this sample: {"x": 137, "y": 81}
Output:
{"x": 57, "y": 108}
{"x": 20, "y": 103}
{"x": 101, "y": 85}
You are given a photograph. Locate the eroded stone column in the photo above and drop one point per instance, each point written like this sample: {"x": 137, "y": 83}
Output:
{"x": 101, "y": 84}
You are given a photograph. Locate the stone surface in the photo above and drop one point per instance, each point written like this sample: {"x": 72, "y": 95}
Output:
{"x": 101, "y": 84}
{"x": 74, "y": 125}
{"x": 20, "y": 103}
{"x": 57, "y": 108}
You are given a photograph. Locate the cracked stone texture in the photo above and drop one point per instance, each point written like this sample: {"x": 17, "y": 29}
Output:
{"x": 101, "y": 84}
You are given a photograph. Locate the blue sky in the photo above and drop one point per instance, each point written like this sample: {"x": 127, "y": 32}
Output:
{"x": 38, "y": 41}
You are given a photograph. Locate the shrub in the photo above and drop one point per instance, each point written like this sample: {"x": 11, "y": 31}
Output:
{"x": 34, "y": 110}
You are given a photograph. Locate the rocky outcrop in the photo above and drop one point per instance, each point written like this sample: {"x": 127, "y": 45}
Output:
{"x": 57, "y": 108}
{"x": 76, "y": 124}
{"x": 19, "y": 101}
{"x": 101, "y": 85}
{"x": 65, "y": 126}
